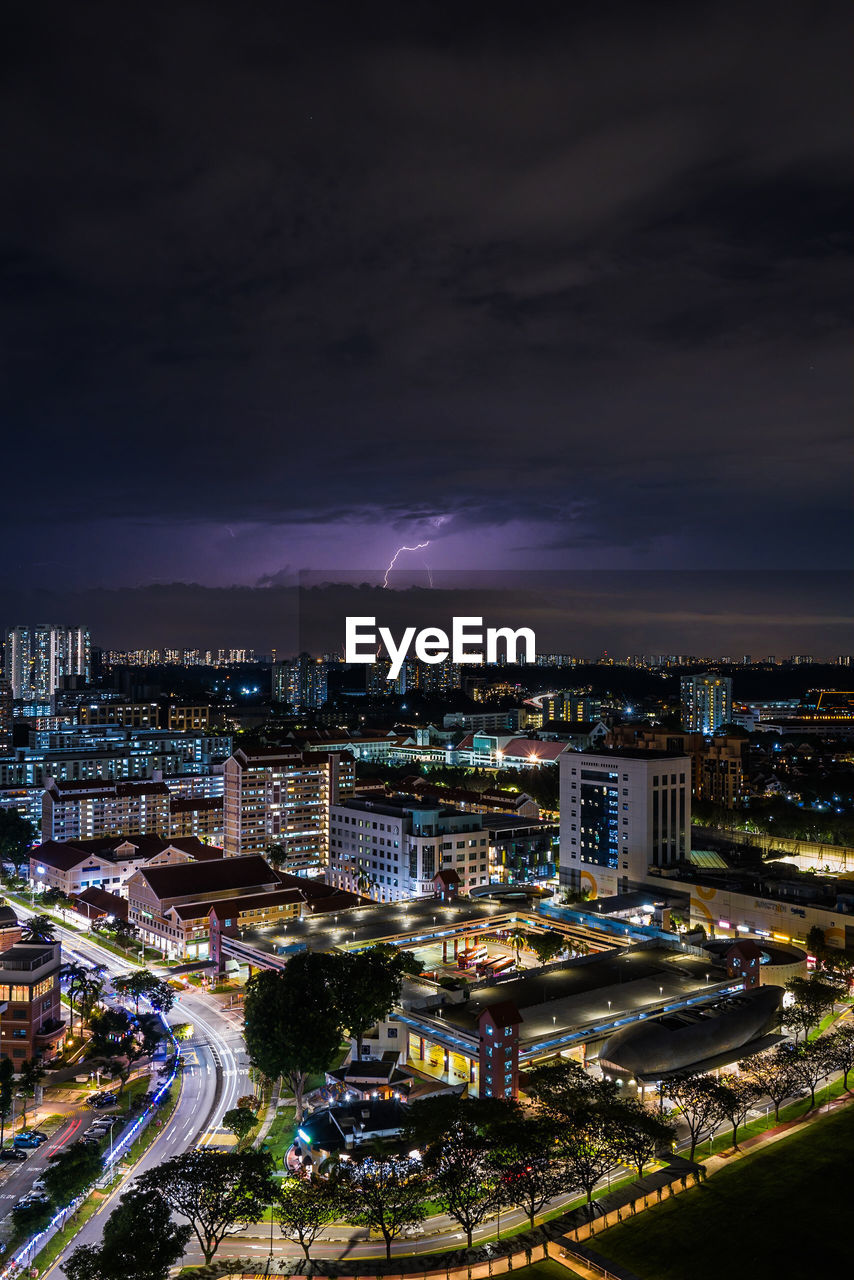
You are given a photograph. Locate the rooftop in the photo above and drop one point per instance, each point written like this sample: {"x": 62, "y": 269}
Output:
{"x": 186, "y": 879}
{"x": 604, "y": 986}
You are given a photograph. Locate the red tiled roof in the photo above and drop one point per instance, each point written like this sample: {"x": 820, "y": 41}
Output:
{"x": 502, "y": 1013}
{"x": 102, "y": 903}
{"x": 186, "y": 879}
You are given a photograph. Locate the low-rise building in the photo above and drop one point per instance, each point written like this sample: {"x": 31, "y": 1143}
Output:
{"x": 392, "y": 849}
{"x": 73, "y": 866}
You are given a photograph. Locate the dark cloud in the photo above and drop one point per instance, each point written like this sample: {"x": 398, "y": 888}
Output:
{"x": 285, "y": 287}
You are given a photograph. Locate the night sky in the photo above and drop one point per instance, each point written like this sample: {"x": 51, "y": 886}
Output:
{"x": 548, "y": 286}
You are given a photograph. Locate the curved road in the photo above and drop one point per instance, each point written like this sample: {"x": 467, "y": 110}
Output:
{"x": 215, "y": 1075}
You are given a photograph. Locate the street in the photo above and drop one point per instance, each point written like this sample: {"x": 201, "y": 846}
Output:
{"x": 215, "y": 1075}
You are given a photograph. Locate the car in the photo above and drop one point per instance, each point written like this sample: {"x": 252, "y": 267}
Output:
{"x": 38, "y": 1185}
{"x": 38, "y": 1199}
{"x": 107, "y": 1100}
{"x": 26, "y": 1140}
{"x": 38, "y": 1133}
{"x": 12, "y": 1153}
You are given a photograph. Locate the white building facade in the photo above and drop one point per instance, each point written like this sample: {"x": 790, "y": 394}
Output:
{"x": 622, "y": 812}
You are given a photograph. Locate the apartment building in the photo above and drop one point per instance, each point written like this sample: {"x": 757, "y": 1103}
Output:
{"x": 717, "y": 764}
{"x": 92, "y": 809}
{"x": 196, "y": 815}
{"x": 706, "y": 701}
{"x": 282, "y": 796}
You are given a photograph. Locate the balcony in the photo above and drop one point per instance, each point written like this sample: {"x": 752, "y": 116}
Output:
{"x": 48, "y": 1033}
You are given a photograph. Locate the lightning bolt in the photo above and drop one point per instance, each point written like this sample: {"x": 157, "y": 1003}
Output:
{"x": 419, "y": 546}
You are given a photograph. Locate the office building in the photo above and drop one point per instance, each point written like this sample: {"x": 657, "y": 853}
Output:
{"x": 706, "y": 702}
{"x": 393, "y": 850}
{"x": 622, "y": 812}
{"x": 281, "y": 796}
{"x": 32, "y": 1023}
{"x": 40, "y": 658}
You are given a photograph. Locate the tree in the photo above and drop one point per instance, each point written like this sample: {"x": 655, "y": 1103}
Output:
{"x": 517, "y": 939}
{"x": 456, "y": 1156}
{"x": 31, "y": 1075}
{"x": 89, "y": 997}
{"x": 816, "y": 941}
{"x": 837, "y": 967}
{"x": 385, "y": 1194}
{"x": 639, "y": 1133}
{"x": 809, "y": 1065}
{"x": 141, "y": 1242}
{"x": 112, "y": 1032}
{"x": 217, "y": 1193}
{"x": 241, "y": 1121}
{"x": 57, "y": 898}
{"x": 75, "y": 975}
{"x": 142, "y": 985}
{"x": 737, "y": 1095}
{"x": 773, "y": 1076}
{"x": 149, "y": 1032}
{"x": 17, "y": 836}
{"x": 561, "y": 1086}
{"x": 39, "y": 928}
{"x": 7, "y": 1094}
{"x": 304, "y": 1206}
{"x": 699, "y": 1103}
{"x": 32, "y": 1217}
{"x": 547, "y": 946}
{"x": 838, "y": 1048}
{"x": 72, "y": 1171}
{"x": 369, "y": 986}
{"x": 121, "y": 931}
{"x": 292, "y": 1021}
{"x": 812, "y": 998}
{"x": 523, "y": 1153}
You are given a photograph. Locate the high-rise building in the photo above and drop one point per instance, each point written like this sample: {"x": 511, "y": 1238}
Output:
{"x": 39, "y": 658}
{"x": 302, "y": 684}
{"x": 280, "y": 796}
{"x": 6, "y": 703}
{"x": 706, "y": 702}
{"x": 622, "y": 812}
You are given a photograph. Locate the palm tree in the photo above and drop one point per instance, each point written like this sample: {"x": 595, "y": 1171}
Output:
{"x": 39, "y": 928}
{"x": 517, "y": 939}
{"x": 76, "y": 974}
{"x": 90, "y": 992}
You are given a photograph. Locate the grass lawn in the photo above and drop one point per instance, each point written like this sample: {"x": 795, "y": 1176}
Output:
{"x": 548, "y": 1269}
{"x": 777, "y": 1213}
{"x": 281, "y": 1133}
